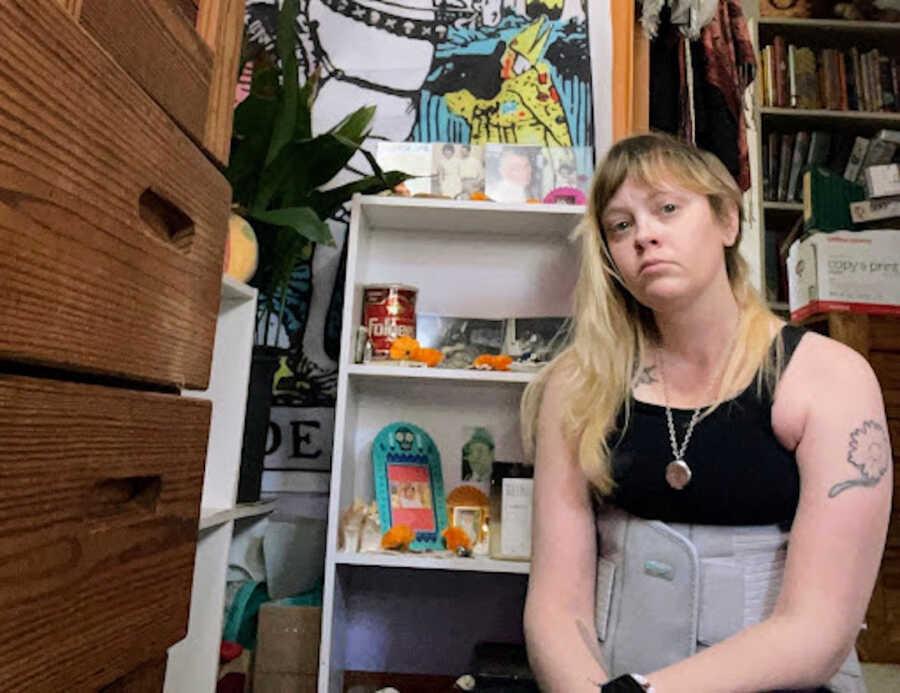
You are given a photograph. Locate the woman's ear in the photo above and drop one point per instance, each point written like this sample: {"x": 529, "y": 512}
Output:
{"x": 732, "y": 227}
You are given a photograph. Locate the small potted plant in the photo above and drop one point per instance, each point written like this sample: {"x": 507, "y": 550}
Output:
{"x": 277, "y": 168}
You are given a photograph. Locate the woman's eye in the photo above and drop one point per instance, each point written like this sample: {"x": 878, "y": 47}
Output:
{"x": 668, "y": 208}
{"x": 621, "y": 225}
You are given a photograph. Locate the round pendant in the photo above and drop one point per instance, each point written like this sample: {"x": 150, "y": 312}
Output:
{"x": 678, "y": 474}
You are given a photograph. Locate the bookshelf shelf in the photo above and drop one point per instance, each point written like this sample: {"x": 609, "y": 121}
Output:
{"x": 866, "y": 29}
{"x": 857, "y": 120}
{"x": 771, "y": 206}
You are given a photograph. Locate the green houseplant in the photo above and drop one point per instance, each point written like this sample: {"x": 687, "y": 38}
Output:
{"x": 277, "y": 169}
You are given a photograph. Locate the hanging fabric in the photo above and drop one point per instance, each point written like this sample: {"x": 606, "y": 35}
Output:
{"x": 689, "y": 16}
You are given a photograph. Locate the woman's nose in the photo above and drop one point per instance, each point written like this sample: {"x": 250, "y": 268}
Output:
{"x": 646, "y": 233}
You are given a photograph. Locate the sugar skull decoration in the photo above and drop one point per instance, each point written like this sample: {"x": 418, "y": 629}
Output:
{"x": 408, "y": 483}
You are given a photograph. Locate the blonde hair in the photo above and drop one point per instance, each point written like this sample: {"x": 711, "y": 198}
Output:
{"x": 611, "y": 329}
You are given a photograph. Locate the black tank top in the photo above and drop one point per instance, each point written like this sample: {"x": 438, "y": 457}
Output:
{"x": 742, "y": 475}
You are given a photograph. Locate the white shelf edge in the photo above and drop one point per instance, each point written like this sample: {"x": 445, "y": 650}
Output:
{"x": 362, "y": 370}
{"x": 848, "y": 26}
{"x": 233, "y": 290}
{"x": 783, "y": 206}
{"x": 876, "y": 116}
{"x": 470, "y": 205}
{"x": 212, "y": 517}
{"x": 424, "y": 562}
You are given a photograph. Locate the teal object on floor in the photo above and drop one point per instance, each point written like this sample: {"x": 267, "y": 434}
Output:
{"x": 241, "y": 621}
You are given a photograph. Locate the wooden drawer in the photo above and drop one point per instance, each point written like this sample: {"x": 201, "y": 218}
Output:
{"x": 112, "y": 223}
{"x": 184, "y": 53}
{"x": 99, "y": 508}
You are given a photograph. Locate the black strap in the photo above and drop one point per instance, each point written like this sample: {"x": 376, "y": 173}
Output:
{"x": 622, "y": 684}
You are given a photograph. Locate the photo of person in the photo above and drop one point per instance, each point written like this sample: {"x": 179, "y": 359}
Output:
{"x": 513, "y": 173}
{"x": 468, "y": 520}
{"x": 461, "y": 340}
{"x": 459, "y": 170}
{"x": 447, "y": 165}
{"x": 410, "y": 494}
{"x": 414, "y": 158}
{"x": 537, "y": 339}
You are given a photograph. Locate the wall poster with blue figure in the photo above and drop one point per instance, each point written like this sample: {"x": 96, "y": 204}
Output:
{"x": 513, "y": 72}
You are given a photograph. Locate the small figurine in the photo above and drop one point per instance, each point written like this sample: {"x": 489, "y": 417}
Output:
{"x": 370, "y": 537}
{"x": 350, "y": 525}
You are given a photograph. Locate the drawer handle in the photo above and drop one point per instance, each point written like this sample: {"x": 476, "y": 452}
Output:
{"x": 132, "y": 494}
{"x": 166, "y": 221}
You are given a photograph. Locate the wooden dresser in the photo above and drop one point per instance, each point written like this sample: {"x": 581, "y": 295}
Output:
{"x": 878, "y": 339}
{"x": 113, "y": 215}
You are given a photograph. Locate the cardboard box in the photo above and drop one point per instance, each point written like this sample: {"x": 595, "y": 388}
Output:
{"x": 875, "y": 210}
{"x": 287, "y": 651}
{"x": 855, "y": 271}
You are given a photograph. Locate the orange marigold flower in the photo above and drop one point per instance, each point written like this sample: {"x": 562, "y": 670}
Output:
{"x": 431, "y": 357}
{"x": 479, "y": 196}
{"x": 496, "y": 362}
{"x": 404, "y": 348}
{"x": 456, "y": 538}
{"x": 398, "y": 537}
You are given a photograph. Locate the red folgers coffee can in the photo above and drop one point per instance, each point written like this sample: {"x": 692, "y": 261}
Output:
{"x": 389, "y": 311}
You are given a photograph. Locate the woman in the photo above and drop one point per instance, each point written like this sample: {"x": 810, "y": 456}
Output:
{"x": 705, "y": 428}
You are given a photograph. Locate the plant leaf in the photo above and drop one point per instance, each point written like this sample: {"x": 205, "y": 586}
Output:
{"x": 326, "y": 202}
{"x": 305, "y": 100}
{"x": 290, "y": 87}
{"x": 355, "y": 127}
{"x": 303, "y": 220}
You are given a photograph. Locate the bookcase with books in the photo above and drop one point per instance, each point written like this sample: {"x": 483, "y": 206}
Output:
{"x": 828, "y": 94}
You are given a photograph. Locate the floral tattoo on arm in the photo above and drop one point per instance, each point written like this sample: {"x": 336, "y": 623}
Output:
{"x": 870, "y": 453}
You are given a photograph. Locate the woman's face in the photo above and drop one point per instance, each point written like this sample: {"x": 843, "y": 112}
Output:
{"x": 667, "y": 244}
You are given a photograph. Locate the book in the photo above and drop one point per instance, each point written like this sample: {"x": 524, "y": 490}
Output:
{"x": 766, "y": 180}
{"x": 841, "y": 148}
{"x": 852, "y": 98}
{"x": 792, "y": 75}
{"x": 781, "y": 83}
{"x": 819, "y": 145}
{"x": 857, "y": 155}
{"x": 807, "y": 82}
{"x": 887, "y": 84}
{"x": 875, "y": 210}
{"x": 784, "y": 164}
{"x": 858, "y": 86}
{"x": 841, "y": 77}
{"x": 826, "y": 200}
{"x": 879, "y": 152}
{"x": 774, "y": 150}
{"x": 770, "y": 81}
{"x": 889, "y": 136}
{"x": 883, "y": 180}
{"x": 801, "y": 149}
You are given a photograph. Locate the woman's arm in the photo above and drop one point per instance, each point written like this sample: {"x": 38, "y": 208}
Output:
{"x": 559, "y": 609}
{"x": 830, "y": 405}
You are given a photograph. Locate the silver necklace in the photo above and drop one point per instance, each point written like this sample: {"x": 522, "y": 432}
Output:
{"x": 678, "y": 473}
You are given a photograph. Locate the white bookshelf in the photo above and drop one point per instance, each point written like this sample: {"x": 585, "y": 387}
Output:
{"x": 193, "y": 662}
{"x": 468, "y": 259}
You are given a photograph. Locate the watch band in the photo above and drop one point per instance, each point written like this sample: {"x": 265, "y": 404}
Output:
{"x": 627, "y": 683}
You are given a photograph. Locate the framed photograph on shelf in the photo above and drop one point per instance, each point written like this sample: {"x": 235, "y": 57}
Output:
{"x": 461, "y": 340}
{"x": 409, "y": 487}
{"x": 536, "y": 341}
{"x": 470, "y": 519}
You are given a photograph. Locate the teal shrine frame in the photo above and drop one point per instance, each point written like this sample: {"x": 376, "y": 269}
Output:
{"x": 409, "y": 485}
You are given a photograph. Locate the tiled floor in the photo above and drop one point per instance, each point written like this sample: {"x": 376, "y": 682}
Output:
{"x": 882, "y": 678}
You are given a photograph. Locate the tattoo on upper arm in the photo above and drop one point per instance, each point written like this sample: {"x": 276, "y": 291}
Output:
{"x": 870, "y": 453}
{"x": 646, "y": 376}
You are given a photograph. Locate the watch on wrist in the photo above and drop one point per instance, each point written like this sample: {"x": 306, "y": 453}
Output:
{"x": 627, "y": 683}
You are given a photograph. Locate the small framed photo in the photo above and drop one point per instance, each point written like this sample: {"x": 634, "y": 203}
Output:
{"x": 514, "y": 172}
{"x": 567, "y": 174}
{"x": 459, "y": 170}
{"x": 536, "y": 340}
{"x": 470, "y": 519}
{"x": 414, "y": 158}
{"x": 409, "y": 487}
{"x": 461, "y": 340}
